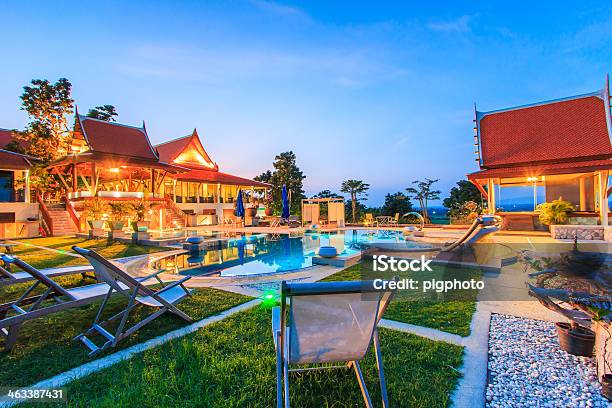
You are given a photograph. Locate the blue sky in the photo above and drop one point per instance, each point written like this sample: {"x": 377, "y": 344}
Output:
{"x": 378, "y": 92}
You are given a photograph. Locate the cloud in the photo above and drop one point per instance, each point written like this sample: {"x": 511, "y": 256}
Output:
{"x": 277, "y": 8}
{"x": 460, "y": 25}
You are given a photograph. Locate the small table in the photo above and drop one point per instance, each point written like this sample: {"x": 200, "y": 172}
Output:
{"x": 383, "y": 220}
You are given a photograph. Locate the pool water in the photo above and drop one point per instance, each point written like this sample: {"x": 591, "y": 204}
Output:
{"x": 272, "y": 253}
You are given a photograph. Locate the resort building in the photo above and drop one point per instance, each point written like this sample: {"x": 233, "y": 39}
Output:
{"x": 18, "y": 215}
{"x": 117, "y": 163}
{"x": 544, "y": 151}
{"x": 203, "y": 190}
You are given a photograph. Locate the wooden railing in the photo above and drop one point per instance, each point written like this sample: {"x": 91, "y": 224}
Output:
{"x": 72, "y": 213}
{"x": 176, "y": 209}
{"x": 47, "y": 221}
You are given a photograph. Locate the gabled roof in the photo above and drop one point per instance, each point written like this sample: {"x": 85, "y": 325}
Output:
{"x": 14, "y": 161}
{"x": 7, "y": 136}
{"x": 114, "y": 138}
{"x": 563, "y": 130}
{"x": 213, "y": 176}
{"x": 186, "y": 150}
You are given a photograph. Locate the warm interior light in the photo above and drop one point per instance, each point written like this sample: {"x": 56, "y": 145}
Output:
{"x": 532, "y": 179}
{"x": 114, "y": 170}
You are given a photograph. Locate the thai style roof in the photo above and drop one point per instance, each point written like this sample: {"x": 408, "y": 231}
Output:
{"x": 186, "y": 150}
{"x": 189, "y": 152}
{"x": 14, "y": 161}
{"x": 545, "y": 169}
{"x": 114, "y": 138}
{"x": 6, "y": 136}
{"x": 213, "y": 176}
{"x": 571, "y": 129}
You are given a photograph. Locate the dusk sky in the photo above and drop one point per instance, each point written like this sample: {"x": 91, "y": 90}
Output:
{"x": 378, "y": 92}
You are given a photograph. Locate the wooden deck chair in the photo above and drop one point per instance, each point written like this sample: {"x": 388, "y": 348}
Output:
{"x": 54, "y": 298}
{"x": 329, "y": 322}
{"x": 369, "y": 220}
{"x": 164, "y": 299}
{"x": 394, "y": 220}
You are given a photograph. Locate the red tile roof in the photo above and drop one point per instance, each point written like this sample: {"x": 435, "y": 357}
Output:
{"x": 567, "y": 129}
{"x": 117, "y": 139}
{"x": 545, "y": 169}
{"x": 7, "y": 136}
{"x": 212, "y": 176}
{"x": 186, "y": 150}
{"x": 14, "y": 161}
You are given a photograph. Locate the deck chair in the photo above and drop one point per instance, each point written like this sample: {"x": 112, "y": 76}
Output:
{"x": 329, "y": 322}
{"x": 164, "y": 299}
{"x": 369, "y": 220}
{"x": 395, "y": 220}
{"x": 54, "y": 298}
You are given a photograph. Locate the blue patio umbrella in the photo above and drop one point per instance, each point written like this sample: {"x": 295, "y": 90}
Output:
{"x": 239, "y": 205}
{"x": 285, "y": 203}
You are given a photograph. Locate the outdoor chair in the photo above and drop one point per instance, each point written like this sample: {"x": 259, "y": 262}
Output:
{"x": 164, "y": 299}
{"x": 329, "y": 322}
{"x": 394, "y": 221}
{"x": 53, "y": 299}
{"x": 369, "y": 220}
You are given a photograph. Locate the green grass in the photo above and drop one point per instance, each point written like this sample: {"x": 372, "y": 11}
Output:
{"x": 40, "y": 258}
{"x": 45, "y": 346}
{"x": 450, "y": 315}
{"x": 232, "y": 364}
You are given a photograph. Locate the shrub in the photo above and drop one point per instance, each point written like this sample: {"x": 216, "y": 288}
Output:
{"x": 555, "y": 212}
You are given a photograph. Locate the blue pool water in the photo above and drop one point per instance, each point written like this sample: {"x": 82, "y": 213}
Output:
{"x": 272, "y": 253}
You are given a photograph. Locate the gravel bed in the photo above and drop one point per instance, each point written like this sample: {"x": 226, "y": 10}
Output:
{"x": 528, "y": 369}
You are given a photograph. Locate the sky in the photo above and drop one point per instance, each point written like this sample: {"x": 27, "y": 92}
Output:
{"x": 381, "y": 92}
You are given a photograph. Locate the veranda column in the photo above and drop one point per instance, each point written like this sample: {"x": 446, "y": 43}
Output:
{"x": 27, "y": 186}
{"x": 603, "y": 197}
{"x": 491, "y": 195}
{"x": 582, "y": 194}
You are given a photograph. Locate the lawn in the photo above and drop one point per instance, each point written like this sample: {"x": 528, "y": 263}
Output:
{"x": 45, "y": 346}
{"x": 40, "y": 258}
{"x": 450, "y": 315}
{"x": 232, "y": 364}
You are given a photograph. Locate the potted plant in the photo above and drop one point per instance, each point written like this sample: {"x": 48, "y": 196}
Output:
{"x": 118, "y": 212}
{"x": 95, "y": 209}
{"x": 575, "y": 340}
{"x": 268, "y": 203}
{"x": 556, "y": 212}
{"x": 140, "y": 211}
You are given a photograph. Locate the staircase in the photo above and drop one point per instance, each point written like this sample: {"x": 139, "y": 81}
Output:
{"x": 62, "y": 224}
{"x": 177, "y": 216}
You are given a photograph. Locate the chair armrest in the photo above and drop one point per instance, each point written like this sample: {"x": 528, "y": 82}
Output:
{"x": 276, "y": 318}
{"x": 153, "y": 275}
{"x": 175, "y": 284}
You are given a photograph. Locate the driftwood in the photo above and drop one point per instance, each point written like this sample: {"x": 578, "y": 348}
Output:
{"x": 582, "y": 309}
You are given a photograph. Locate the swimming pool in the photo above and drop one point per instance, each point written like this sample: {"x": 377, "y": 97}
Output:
{"x": 273, "y": 253}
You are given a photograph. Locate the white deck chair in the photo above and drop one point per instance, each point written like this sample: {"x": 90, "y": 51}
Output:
{"x": 330, "y": 322}
{"x": 53, "y": 299}
{"x": 164, "y": 299}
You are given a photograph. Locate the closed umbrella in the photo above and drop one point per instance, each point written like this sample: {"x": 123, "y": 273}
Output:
{"x": 239, "y": 205}
{"x": 285, "y": 214}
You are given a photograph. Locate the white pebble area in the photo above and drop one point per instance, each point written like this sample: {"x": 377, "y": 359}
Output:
{"x": 528, "y": 369}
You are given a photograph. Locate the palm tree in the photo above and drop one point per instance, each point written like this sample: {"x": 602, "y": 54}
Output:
{"x": 356, "y": 188}
{"x": 423, "y": 193}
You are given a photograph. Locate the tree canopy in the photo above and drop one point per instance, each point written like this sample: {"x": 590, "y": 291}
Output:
{"x": 47, "y": 135}
{"x": 423, "y": 193}
{"x": 286, "y": 172}
{"x": 461, "y": 194}
{"x": 103, "y": 112}
{"x": 357, "y": 189}
{"x": 396, "y": 203}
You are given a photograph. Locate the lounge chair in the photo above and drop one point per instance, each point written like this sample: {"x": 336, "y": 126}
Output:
{"x": 369, "y": 220}
{"x": 394, "y": 221}
{"x": 7, "y": 277}
{"x": 164, "y": 299}
{"x": 330, "y": 322}
{"x": 54, "y": 298}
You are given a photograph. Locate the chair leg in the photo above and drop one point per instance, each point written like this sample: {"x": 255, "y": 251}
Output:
{"x": 286, "y": 374}
{"x": 279, "y": 372}
{"x": 362, "y": 385}
{"x": 381, "y": 371}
